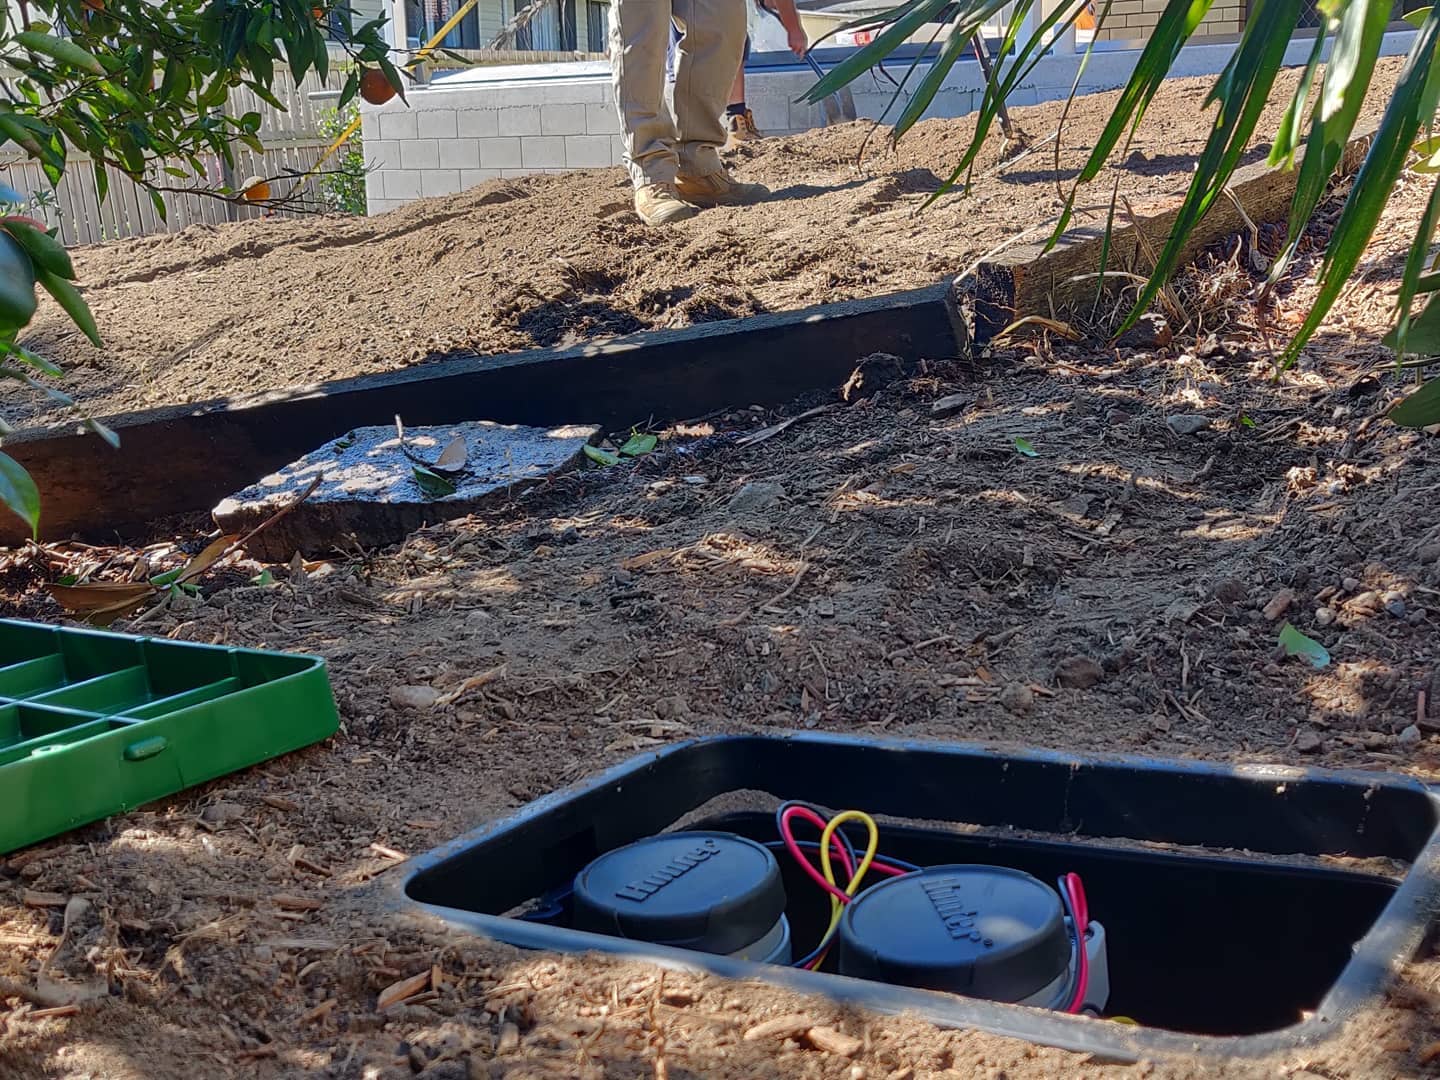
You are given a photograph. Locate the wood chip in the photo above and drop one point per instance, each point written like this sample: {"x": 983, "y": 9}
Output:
{"x": 32, "y": 898}
{"x": 782, "y": 1027}
{"x": 1428, "y": 1053}
{"x": 509, "y": 1038}
{"x": 58, "y": 1010}
{"x": 319, "y": 1012}
{"x": 303, "y": 944}
{"x": 403, "y": 990}
{"x": 387, "y": 852}
{"x": 834, "y": 1042}
{"x": 280, "y": 803}
{"x": 296, "y": 903}
{"x": 474, "y": 682}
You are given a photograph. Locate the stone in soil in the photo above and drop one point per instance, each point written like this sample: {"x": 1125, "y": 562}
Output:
{"x": 369, "y": 493}
{"x": 1187, "y": 424}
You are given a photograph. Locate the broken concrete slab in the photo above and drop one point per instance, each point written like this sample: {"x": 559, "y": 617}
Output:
{"x": 369, "y": 493}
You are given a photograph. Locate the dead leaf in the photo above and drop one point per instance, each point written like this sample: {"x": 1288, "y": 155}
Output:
{"x": 207, "y": 558}
{"x": 102, "y": 602}
{"x": 403, "y": 990}
{"x": 452, "y": 458}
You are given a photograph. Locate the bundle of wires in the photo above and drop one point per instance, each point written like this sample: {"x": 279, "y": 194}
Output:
{"x": 835, "y": 846}
{"x": 833, "y": 841}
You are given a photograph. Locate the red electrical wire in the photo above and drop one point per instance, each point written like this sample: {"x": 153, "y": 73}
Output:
{"x": 799, "y": 856}
{"x": 1081, "y": 911}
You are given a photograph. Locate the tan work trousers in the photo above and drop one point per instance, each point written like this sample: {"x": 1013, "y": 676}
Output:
{"x": 683, "y": 134}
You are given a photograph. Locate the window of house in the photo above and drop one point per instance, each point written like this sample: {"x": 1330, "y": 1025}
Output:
{"x": 596, "y": 27}
{"x": 424, "y": 17}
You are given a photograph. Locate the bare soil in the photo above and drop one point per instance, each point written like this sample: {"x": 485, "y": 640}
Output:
{"x": 916, "y": 577}
{"x": 216, "y": 312}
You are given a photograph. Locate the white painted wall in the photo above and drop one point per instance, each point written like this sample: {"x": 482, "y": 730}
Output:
{"x": 484, "y": 123}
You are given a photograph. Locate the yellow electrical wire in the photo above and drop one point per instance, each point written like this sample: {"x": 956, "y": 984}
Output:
{"x": 871, "y": 844}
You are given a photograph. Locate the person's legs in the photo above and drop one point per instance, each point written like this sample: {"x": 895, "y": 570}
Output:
{"x": 739, "y": 121}
{"x": 711, "y": 44}
{"x": 639, "y": 32}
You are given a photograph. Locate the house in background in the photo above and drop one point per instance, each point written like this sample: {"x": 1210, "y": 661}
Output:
{"x": 560, "y": 26}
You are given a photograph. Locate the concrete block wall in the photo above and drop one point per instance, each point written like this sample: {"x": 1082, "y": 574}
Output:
{"x": 1133, "y": 20}
{"x": 448, "y": 139}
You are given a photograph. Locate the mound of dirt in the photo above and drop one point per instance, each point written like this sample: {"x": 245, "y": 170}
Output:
{"x": 221, "y": 311}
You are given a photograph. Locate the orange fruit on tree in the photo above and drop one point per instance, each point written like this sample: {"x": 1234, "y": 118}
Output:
{"x": 255, "y": 190}
{"x": 94, "y": 5}
{"x": 375, "y": 88}
{"x": 318, "y": 14}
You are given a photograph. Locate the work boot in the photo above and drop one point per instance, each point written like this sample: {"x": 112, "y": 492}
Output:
{"x": 719, "y": 189}
{"x": 740, "y": 127}
{"x": 659, "y": 204}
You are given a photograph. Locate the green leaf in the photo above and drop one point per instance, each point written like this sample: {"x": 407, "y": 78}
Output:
{"x": 44, "y": 250}
{"x": 638, "y": 445}
{"x": 17, "y": 284}
{"x": 432, "y": 484}
{"x": 69, "y": 298}
{"x": 1023, "y": 446}
{"x": 1247, "y": 421}
{"x": 264, "y": 579}
{"x": 1297, "y": 644}
{"x": 1411, "y": 104}
{"x": 1414, "y": 267}
{"x": 66, "y": 52}
{"x": 1420, "y": 409}
{"x": 601, "y": 457}
{"x": 1417, "y": 17}
{"x": 18, "y": 492}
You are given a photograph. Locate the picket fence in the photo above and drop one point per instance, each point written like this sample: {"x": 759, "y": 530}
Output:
{"x": 292, "y": 141}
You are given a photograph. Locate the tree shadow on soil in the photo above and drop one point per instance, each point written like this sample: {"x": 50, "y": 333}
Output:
{"x": 811, "y": 191}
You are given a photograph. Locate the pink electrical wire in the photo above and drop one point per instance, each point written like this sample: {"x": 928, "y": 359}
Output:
{"x": 805, "y": 813}
{"x": 799, "y": 856}
{"x": 1081, "y": 911}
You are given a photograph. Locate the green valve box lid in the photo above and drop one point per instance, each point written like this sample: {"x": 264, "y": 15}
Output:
{"x": 93, "y": 723}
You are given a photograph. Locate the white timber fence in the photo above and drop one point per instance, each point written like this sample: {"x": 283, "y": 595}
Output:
{"x": 293, "y": 144}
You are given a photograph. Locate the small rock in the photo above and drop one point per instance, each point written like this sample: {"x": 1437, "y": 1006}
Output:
{"x": 1116, "y": 417}
{"x": 447, "y": 1070}
{"x": 1324, "y": 616}
{"x": 949, "y": 405}
{"x": 695, "y": 481}
{"x": 673, "y": 707}
{"x": 1350, "y": 584}
{"x": 834, "y": 1042}
{"x": 1394, "y": 604}
{"x": 1309, "y": 742}
{"x": 478, "y": 617}
{"x": 621, "y": 576}
{"x": 782, "y": 1027}
{"x": 1187, "y": 424}
{"x": 413, "y": 697}
{"x": 1151, "y": 331}
{"x": 509, "y": 1038}
{"x": 1409, "y": 737}
{"x": 1017, "y": 698}
{"x": 678, "y": 997}
{"x": 755, "y": 496}
{"x": 1278, "y": 605}
{"x": 1078, "y": 672}
{"x": 221, "y": 812}
{"x": 905, "y": 1072}
{"x": 1229, "y": 590}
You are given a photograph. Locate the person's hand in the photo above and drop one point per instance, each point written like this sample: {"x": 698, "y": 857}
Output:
{"x": 795, "y": 38}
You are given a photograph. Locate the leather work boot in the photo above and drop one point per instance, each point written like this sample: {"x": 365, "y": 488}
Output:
{"x": 659, "y": 204}
{"x": 719, "y": 189}
{"x": 740, "y": 128}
